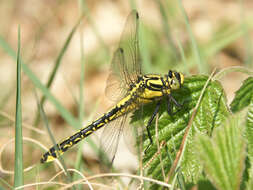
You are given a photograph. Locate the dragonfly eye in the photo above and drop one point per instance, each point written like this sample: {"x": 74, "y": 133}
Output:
{"x": 170, "y": 73}
{"x": 174, "y": 84}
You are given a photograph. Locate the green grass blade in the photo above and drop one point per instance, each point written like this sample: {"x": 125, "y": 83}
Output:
{"x": 203, "y": 67}
{"x": 5, "y": 183}
{"x": 64, "y": 113}
{"x": 91, "y": 22}
{"x": 181, "y": 50}
{"x": 218, "y": 42}
{"x": 166, "y": 29}
{"x": 78, "y": 161}
{"x": 133, "y": 4}
{"x": 223, "y": 155}
{"x": 57, "y": 64}
{"x": 247, "y": 39}
{"x": 242, "y": 96}
{"x": 18, "y": 171}
{"x": 5, "y": 46}
{"x": 46, "y": 122}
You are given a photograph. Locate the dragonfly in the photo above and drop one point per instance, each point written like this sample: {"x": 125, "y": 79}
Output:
{"x": 130, "y": 89}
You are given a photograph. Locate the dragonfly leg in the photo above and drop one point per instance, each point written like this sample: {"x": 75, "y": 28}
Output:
{"x": 149, "y": 124}
{"x": 169, "y": 108}
{"x": 175, "y": 102}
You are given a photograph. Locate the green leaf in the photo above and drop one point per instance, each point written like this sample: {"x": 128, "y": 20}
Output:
{"x": 211, "y": 113}
{"x": 249, "y": 185}
{"x": 223, "y": 155}
{"x": 249, "y": 129}
{"x": 249, "y": 136}
{"x": 18, "y": 171}
{"x": 242, "y": 96}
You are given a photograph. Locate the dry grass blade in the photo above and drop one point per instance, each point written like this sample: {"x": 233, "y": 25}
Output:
{"x": 130, "y": 176}
{"x": 225, "y": 71}
{"x": 25, "y": 125}
{"x": 162, "y": 144}
{"x": 3, "y": 147}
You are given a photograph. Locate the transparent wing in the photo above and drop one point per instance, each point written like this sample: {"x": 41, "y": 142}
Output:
{"x": 126, "y": 64}
{"x": 112, "y": 132}
{"x": 132, "y": 133}
{"x": 116, "y": 87}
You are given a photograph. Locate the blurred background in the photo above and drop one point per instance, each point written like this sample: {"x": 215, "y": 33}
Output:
{"x": 222, "y": 30}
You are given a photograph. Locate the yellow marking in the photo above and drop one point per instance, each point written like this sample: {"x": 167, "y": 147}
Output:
{"x": 60, "y": 152}
{"x": 50, "y": 158}
{"x": 182, "y": 78}
{"x": 65, "y": 139}
{"x": 112, "y": 117}
{"x": 153, "y": 75}
{"x": 148, "y": 94}
{"x": 123, "y": 101}
{"x": 125, "y": 109}
{"x": 106, "y": 120}
{"x": 158, "y": 82}
{"x": 168, "y": 91}
{"x": 94, "y": 128}
{"x": 77, "y": 139}
{"x": 67, "y": 145}
{"x": 100, "y": 124}
{"x": 88, "y": 132}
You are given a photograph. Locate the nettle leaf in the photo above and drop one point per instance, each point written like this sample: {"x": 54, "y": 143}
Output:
{"x": 242, "y": 96}
{"x": 223, "y": 155}
{"x": 249, "y": 185}
{"x": 249, "y": 136}
{"x": 211, "y": 114}
{"x": 249, "y": 129}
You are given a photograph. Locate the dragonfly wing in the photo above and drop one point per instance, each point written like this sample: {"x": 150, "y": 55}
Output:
{"x": 131, "y": 133}
{"x": 116, "y": 86}
{"x": 111, "y": 135}
{"x": 129, "y": 46}
{"x": 126, "y": 64}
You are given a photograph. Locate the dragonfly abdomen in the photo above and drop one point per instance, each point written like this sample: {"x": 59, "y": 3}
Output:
{"x": 115, "y": 112}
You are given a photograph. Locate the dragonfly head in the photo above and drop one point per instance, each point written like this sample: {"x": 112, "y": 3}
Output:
{"x": 174, "y": 80}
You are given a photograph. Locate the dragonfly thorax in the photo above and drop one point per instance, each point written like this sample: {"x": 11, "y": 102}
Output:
{"x": 152, "y": 86}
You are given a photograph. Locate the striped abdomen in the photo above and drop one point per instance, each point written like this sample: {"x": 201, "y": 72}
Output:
{"x": 123, "y": 107}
